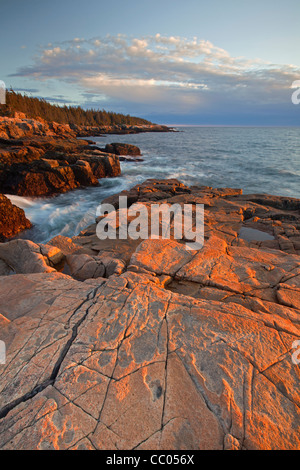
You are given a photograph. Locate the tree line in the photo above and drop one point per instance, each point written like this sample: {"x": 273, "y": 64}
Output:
{"x": 40, "y": 108}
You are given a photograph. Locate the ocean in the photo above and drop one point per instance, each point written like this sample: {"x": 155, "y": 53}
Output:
{"x": 257, "y": 160}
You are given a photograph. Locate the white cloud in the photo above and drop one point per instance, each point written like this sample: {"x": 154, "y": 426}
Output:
{"x": 164, "y": 71}
{"x": 52, "y": 52}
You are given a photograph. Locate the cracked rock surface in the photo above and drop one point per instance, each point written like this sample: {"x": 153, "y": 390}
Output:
{"x": 183, "y": 350}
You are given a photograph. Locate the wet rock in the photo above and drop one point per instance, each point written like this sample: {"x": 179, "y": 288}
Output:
{"x": 44, "y": 159}
{"x": 24, "y": 256}
{"x": 53, "y": 254}
{"x": 161, "y": 256}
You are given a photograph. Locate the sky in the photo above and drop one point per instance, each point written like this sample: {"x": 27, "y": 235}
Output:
{"x": 189, "y": 62}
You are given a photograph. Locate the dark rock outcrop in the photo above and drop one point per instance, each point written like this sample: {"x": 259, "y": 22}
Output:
{"x": 149, "y": 190}
{"x": 186, "y": 349}
{"x": 85, "y": 131}
{"x": 24, "y": 256}
{"x": 40, "y": 158}
{"x": 12, "y": 219}
{"x": 42, "y": 166}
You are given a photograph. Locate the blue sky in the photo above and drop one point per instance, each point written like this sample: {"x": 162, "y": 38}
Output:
{"x": 195, "y": 62}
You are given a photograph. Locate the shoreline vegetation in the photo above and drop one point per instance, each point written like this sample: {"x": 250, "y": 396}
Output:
{"x": 36, "y": 108}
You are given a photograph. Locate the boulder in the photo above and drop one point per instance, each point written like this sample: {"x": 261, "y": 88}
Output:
{"x": 53, "y": 254}
{"x": 83, "y": 174}
{"x": 122, "y": 149}
{"x": 83, "y": 266}
{"x": 149, "y": 190}
{"x": 24, "y": 256}
{"x": 103, "y": 165}
{"x": 65, "y": 244}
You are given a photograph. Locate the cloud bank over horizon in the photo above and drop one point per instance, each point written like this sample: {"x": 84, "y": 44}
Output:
{"x": 169, "y": 78}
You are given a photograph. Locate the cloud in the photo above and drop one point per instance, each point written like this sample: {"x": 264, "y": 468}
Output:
{"x": 169, "y": 73}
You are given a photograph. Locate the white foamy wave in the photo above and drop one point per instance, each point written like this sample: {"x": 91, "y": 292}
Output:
{"x": 22, "y": 202}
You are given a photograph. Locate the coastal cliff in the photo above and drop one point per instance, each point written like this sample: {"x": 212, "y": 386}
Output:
{"x": 130, "y": 344}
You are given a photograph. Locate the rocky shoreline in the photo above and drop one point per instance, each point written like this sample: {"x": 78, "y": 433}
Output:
{"x": 38, "y": 158}
{"x": 41, "y": 159}
{"x": 130, "y": 344}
